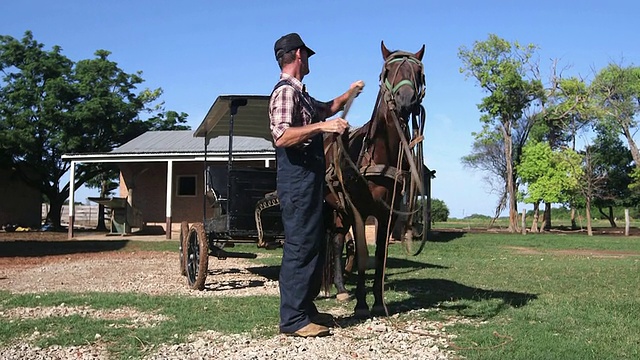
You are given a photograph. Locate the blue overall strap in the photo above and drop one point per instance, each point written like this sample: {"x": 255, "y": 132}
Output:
{"x": 303, "y": 99}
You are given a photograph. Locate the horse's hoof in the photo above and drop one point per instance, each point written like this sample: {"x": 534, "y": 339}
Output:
{"x": 361, "y": 313}
{"x": 343, "y": 297}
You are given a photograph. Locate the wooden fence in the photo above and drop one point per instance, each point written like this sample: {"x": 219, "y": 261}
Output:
{"x": 85, "y": 215}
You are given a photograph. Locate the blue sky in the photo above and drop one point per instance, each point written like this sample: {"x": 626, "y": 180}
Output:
{"x": 197, "y": 50}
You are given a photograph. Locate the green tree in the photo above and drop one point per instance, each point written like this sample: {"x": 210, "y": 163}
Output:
{"x": 591, "y": 181}
{"x": 501, "y": 69}
{"x": 617, "y": 95}
{"x": 611, "y": 162}
{"x": 97, "y": 80}
{"x": 564, "y": 110}
{"x": 50, "y": 106}
{"x": 439, "y": 210}
{"x": 551, "y": 176}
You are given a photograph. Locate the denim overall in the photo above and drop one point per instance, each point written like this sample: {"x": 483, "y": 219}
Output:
{"x": 300, "y": 187}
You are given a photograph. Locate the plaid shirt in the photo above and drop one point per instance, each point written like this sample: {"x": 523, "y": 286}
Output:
{"x": 286, "y": 109}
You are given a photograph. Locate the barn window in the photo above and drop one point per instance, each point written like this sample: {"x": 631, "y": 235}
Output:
{"x": 186, "y": 185}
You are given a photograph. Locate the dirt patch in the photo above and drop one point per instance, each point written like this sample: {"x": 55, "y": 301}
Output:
{"x": 597, "y": 253}
{"x": 33, "y": 236}
{"x": 47, "y": 262}
{"x": 524, "y": 250}
{"x": 154, "y": 273}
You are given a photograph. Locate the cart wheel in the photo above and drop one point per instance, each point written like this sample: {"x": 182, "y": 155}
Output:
{"x": 184, "y": 235}
{"x": 197, "y": 256}
{"x": 415, "y": 237}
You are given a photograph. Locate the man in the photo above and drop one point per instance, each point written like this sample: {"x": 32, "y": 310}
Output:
{"x": 297, "y": 125}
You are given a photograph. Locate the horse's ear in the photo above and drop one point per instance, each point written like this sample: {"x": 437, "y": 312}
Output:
{"x": 385, "y": 51}
{"x": 420, "y": 53}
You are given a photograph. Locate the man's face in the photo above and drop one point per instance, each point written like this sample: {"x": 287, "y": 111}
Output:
{"x": 304, "y": 59}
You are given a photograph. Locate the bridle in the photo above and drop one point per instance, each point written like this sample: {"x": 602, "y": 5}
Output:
{"x": 389, "y": 90}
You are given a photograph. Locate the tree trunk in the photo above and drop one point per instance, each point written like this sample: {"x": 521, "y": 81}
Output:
{"x": 101, "y": 224}
{"x": 635, "y": 154}
{"x": 536, "y": 217}
{"x": 588, "y": 211}
{"x": 500, "y": 207}
{"x": 103, "y": 194}
{"x": 511, "y": 184}
{"x": 573, "y": 219}
{"x": 609, "y": 217}
{"x": 612, "y": 219}
{"x": 547, "y": 216}
{"x": 55, "y": 211}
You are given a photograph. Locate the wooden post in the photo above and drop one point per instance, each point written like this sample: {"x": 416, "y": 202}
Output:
{"x": 626, "y": 222}
{"x": 524, "y": 224}
{"x": 72, "y": 193}
{"x": 167, "y": 210}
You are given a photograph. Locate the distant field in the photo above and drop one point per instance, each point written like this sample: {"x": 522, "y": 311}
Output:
{"x": 555, "y": 223}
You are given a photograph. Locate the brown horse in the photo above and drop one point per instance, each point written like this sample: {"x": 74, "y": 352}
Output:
{"x": 375, "y": 171}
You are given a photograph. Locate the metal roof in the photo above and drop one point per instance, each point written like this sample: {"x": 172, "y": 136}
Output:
{"x": 251, "y": 136}
{"x": 251, "y": 119}
{"x": 182, "y": 141}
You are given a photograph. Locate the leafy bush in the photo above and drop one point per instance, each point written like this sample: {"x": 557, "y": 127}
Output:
{"x": 439, "y": 210}
{"x": 564, "y": 213}
{"x": 478, "y": 217}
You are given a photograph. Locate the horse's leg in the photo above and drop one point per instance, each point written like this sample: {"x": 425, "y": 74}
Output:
{"x": 350, "y": 245}
{"x": 379, "y": 307}
{"x": 338, "y": 279}
{"x": 361, "y": 309}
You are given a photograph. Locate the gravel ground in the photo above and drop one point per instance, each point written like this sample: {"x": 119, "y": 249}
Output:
{"x": 372, "y": 339}
{"x": 154, "y": 273}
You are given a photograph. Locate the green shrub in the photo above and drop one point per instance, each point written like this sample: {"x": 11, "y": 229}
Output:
{"x": 439, "y": 210}
{"x": 478, "y": 217}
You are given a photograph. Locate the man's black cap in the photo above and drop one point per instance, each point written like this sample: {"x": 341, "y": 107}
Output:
{"x": 290, "y": 42}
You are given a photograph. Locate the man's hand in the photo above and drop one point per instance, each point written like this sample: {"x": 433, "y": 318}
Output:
{"x": 357, "y": 86}
{"x": 337, "y": 126}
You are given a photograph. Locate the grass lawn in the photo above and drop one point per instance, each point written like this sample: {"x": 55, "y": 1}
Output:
{"x": 545, "y": 296}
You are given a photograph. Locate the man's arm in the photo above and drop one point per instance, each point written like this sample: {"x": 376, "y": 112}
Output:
{"x": 294, "y": 135}
{"x": 339, "y": 102}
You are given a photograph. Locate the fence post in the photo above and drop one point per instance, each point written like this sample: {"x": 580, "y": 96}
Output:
{"x": 626, "y": 222}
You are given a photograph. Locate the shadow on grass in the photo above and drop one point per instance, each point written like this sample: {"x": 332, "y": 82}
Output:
{"x": 270, "y": 272}
{"x": 445, "y": 235}
{"x": 399, "y": 263}
{"x": 451, "y": 295}
{"x": 45, "y": 248}
{"x": 448, "y": 296}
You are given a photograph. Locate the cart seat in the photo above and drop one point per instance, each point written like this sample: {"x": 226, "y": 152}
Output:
{"x": 215, "y": 202}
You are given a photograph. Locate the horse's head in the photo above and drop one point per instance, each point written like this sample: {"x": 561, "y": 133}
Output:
{"x": 402, "y": 81}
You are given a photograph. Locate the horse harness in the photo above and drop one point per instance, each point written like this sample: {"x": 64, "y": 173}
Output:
{"x": 370, "y": 169}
